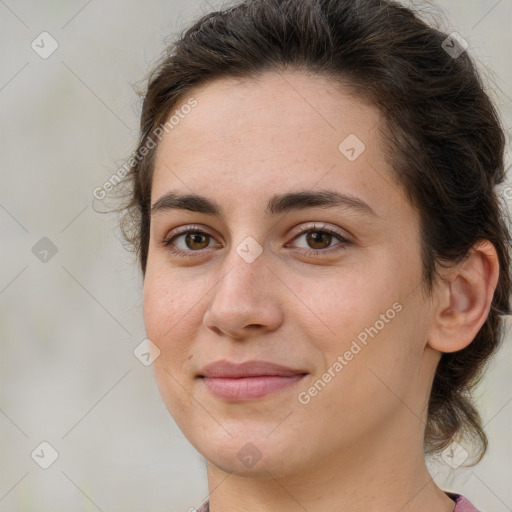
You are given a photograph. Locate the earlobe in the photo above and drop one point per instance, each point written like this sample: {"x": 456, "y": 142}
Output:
{"x": 464, "y": 299}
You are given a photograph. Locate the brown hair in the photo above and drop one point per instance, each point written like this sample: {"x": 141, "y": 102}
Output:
{"x": 443, "y": 137}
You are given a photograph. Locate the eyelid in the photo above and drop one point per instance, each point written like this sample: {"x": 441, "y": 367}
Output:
{"x": 167, "y": 240}
{"x": 300, "y": 230}
{"x": 322, "y": 226}
{"x": 183, "y": 230}
{"x": 188, "y": 228}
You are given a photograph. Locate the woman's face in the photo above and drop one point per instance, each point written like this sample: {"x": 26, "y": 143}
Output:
{"x": 264, "y": 281}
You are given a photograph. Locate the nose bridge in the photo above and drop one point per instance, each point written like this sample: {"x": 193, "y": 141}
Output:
{"x": 243, "y": 271}
{"x": 242, "y": 297}
{"x": 246, "y": 257}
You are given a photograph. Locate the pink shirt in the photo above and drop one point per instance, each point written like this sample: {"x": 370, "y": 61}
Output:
{"x": 461, "y": 504}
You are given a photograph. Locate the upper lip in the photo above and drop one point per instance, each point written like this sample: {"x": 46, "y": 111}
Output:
{"x": 225, "y": 368}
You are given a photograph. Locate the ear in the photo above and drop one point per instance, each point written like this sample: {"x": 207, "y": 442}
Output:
{"x": 464, "y": 299}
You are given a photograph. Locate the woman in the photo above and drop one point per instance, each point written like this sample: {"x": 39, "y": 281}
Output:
{"x": 311, "y": 375}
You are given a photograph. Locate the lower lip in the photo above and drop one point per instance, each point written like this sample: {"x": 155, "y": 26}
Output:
{"x": 248, "y": 388}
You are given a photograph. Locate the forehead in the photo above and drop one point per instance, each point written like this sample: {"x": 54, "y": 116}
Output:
{"x": 281, "y": 131}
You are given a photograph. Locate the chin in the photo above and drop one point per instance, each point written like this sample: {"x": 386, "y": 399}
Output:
{"x": 254, "y": 455}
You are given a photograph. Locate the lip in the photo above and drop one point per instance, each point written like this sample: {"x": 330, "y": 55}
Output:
{"x": 249, "y": 380}
{"x": 228, "y": 369}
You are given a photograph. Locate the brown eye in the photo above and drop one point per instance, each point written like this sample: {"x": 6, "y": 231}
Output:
{"x": 319, "y": 239}
{"x": 188, "y": 242}
{"x": 196, "y": 240}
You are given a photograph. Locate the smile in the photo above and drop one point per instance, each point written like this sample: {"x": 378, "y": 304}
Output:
{"x": 248, "y": 388}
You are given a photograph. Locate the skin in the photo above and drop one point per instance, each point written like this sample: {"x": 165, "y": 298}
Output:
{"x": 358, "y": 444}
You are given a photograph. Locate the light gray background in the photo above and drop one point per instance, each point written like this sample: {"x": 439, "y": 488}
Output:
{"x": 69, "y": 326}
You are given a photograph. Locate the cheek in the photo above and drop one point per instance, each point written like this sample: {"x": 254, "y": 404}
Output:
{"x": 361, "y": 386}
{"x": 157, "y": 308}
{"x": 166, "y": 312}
{"x": 347, "y": 304}
{"x": 372, "y": 322}
{"x": 166, "y": 321}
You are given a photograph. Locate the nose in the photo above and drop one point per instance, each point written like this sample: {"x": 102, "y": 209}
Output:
{"x": 246, "y": 299}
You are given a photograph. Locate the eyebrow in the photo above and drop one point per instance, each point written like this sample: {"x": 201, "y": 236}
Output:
{"x": 277, "y": 204}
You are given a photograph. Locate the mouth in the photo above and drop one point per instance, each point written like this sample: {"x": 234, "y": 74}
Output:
{"x": 249, "y": 380}
{"x": 249, "y": 388}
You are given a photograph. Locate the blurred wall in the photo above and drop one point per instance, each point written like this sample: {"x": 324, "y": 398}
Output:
{"x": 70, "y": 294}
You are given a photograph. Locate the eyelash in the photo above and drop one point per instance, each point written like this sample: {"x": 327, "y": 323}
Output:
{"x": 167, "y": 242}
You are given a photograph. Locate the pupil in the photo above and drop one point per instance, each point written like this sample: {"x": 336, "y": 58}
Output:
{"x": 316, "y": 237}
{"x": 193, "y": 237}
